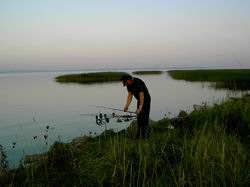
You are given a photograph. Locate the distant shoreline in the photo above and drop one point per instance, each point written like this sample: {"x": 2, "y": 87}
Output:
{"x": 104, "y": 69}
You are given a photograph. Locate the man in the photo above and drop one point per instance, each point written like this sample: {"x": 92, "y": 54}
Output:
{"x": 137, "y": 88}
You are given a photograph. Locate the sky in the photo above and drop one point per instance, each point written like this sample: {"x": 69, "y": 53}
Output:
{"x": 78, "y": 34}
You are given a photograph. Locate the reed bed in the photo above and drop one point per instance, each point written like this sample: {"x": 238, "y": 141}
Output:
{"x": 233, "y": 79}
{"x": 90, "y": 78}
{"x": 147, "y": 72}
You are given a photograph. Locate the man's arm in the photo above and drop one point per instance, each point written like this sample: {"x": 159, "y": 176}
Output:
{"x": 129, "y": 99}
{"x": 141, "y": 102}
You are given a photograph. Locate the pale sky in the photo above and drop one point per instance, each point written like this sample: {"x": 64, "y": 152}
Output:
{"x": 78, "y": 34}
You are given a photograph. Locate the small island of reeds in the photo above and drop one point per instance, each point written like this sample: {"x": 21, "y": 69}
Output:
{"x": 90, "y": 78}
{"x": 233, "y": 79}
{"x": 147, "y": 72}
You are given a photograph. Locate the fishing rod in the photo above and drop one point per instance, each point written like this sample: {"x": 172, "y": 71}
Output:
{"x": 104, "y": 107}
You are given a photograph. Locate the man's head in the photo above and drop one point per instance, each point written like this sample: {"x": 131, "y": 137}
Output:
{"x": 126, "y": 79}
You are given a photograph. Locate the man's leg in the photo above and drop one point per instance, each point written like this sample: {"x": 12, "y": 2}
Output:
{"x": 143, "y": 131}
{"x": 139, "y": 125}
{"x": 138, "y": 131}
{"x": 142, "y": 121}
{"x": 145, "y": 120}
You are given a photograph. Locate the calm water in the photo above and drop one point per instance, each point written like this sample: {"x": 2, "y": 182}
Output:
{"x": 30, "y": 102}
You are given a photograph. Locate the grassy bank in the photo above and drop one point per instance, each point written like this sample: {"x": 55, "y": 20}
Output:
{"x": 208, "y": 147}
{"x": 234, "y": 79}
{"x": 90, "y": 78}
{"x": 147, "y": 72}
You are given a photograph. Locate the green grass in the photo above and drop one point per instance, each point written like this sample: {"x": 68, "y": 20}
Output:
{"x": 211, "y": 150}
{"x": 147, "y": 72}
{"x": 90, "y": 78}
{"x": 233, "y": 79}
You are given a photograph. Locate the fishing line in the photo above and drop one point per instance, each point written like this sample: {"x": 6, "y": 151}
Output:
{"x": 238, "y": 61}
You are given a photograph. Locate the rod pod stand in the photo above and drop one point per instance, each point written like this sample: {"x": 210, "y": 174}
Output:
{"x": 102, "y": 120}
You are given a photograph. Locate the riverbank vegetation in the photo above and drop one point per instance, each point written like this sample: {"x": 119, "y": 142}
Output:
{"x": 208, "y": 147}
{"x": 233, "y": 79}
{"x": 90, "y": 78}
{"x": 147, "y": 72}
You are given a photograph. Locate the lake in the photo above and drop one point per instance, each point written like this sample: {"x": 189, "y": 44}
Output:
{"x": 36, "y": 111}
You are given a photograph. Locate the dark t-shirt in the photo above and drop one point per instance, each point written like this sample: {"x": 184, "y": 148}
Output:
{"x": 138, "y": 86}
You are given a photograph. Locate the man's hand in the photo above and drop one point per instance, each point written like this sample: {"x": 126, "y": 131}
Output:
{"x": 138, "y": 110}
{"x": 125, "y": 109}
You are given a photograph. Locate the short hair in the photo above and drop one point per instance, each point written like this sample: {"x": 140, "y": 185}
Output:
{"x": 126, "y": 77}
